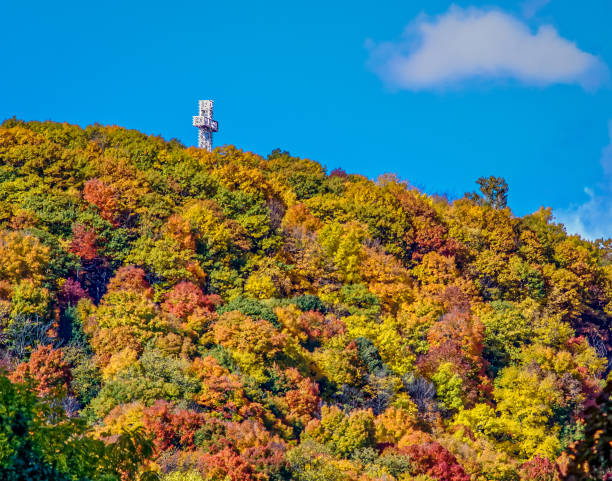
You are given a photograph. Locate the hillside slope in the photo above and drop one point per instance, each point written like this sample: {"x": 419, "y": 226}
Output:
{"x": 261, "y": 319}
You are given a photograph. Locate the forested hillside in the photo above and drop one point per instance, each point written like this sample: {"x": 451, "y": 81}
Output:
{"x": 222, "y": 316}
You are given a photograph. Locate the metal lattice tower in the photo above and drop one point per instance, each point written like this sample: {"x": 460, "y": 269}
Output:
{"x": 205, "y": 124}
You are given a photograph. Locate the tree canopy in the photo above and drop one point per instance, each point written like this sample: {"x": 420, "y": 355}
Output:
{"x": 188, "y": 315}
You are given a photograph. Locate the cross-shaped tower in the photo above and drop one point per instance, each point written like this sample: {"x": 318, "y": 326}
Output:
{"x": 205, "y": 124}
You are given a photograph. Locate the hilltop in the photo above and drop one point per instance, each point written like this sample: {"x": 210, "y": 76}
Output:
{"x": 252, "y": 318}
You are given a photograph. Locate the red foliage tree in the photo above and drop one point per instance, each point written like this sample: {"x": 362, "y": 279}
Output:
{"x": 538, "y": 469}
{"x": 70, "y": 293}
{"x": 186, "y": 298}
{"x": 220, "y": 389}
{"x": 47, "y": 368}
{"x": 319, "y": 328}
{"x": 172, "y": 428}
{"x": 84, "y": 242}
{"x": 458, "y": 338}
{"x": 130, "y": 278}
{"x": 338, "y": 172}
{"x": 436, "y": 461}
{"x": 430, "y": 234}
{"x": 266, "y": 460}
{"x": 226, "y": 464}
{"x": 303, "y": 400}
{"x": 102, "y": 196}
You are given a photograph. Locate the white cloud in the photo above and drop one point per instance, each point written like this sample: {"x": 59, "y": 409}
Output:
{"x": 464, "y": 44}
{"x": 593, "y": 219}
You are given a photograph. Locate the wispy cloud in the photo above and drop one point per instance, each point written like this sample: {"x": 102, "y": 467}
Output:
{"x": 467, "y": 44}
{"x": 593, "y": 219}
{"x": 531, "y": 7}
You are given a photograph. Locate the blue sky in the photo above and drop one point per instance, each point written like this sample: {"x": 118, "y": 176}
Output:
{"x": 439, "y": 93}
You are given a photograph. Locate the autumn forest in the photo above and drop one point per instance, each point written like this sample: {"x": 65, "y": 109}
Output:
{"x": 175, "y": 314}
